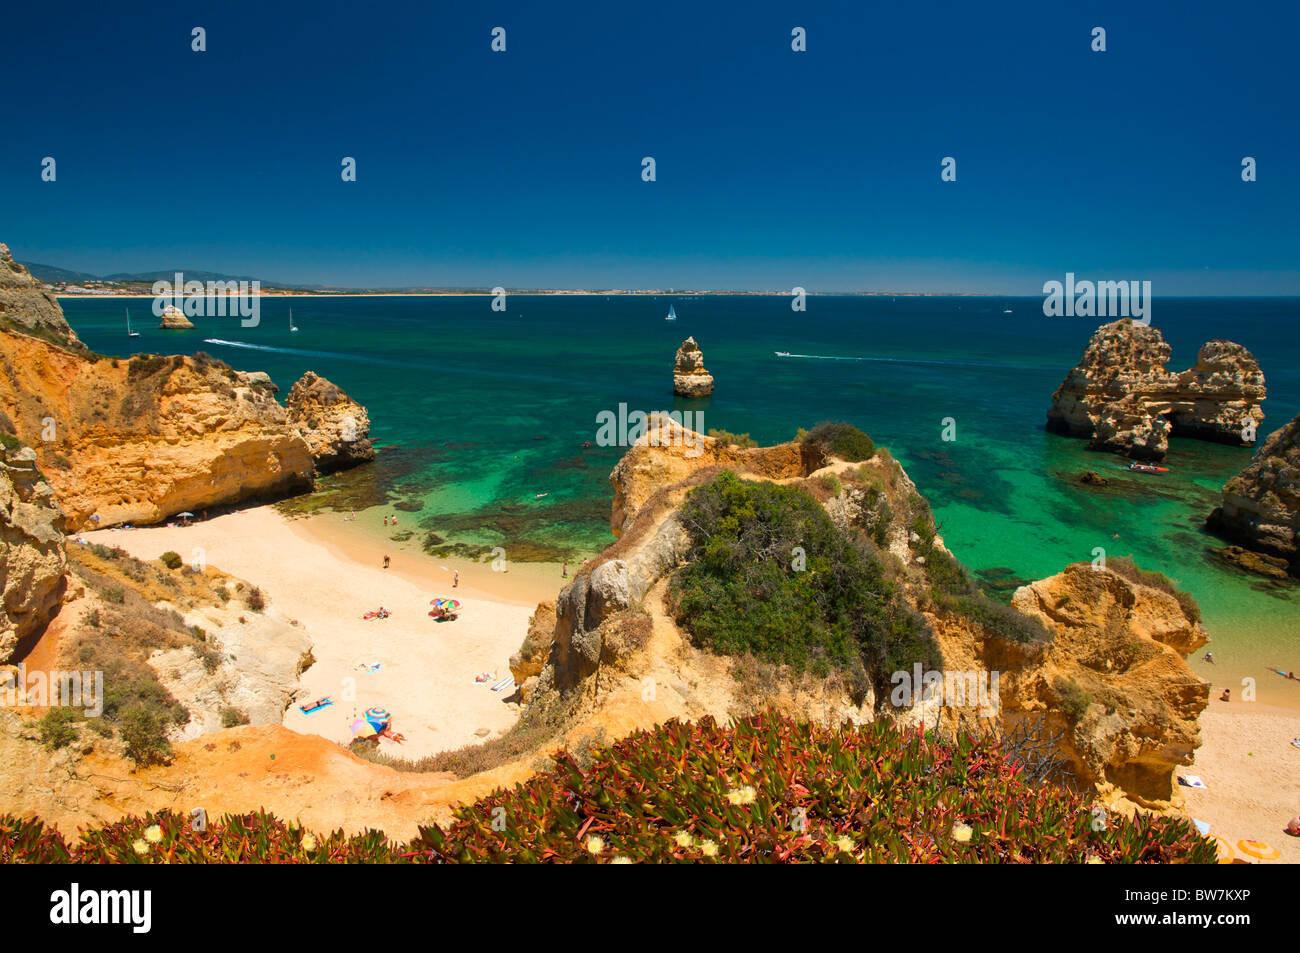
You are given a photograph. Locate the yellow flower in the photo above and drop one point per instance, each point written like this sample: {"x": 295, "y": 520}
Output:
{"x": 595, "y": 845}
{"x": 1094, "y": 859}
{"x": 843, "y": 843}
{"x": 683, "y": 839}
{"x": 709, "y": 848}
{"x": 961, "y": 833}
{"x": 308, "y": 841}
{"x": 745, "y": 795}
{"x": 621, "y": 860}
{"x": 140, "y": 846}
{"x": 153, "y": 834}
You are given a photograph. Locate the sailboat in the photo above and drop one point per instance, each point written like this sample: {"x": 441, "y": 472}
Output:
{"x": 672, "y": 314}
{"x": 129, "y": 332}
{"x": 292, "y": 326}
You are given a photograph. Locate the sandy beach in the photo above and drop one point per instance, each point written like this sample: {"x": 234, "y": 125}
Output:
{"x": 311, "y": 571}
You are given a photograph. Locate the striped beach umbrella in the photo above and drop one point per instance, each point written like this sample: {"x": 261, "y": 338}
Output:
{"x": 1257, "y": 848}
{"x": 1226, "y": 853}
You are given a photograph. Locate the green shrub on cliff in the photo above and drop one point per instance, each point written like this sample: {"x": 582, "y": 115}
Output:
{"x": 839, "y": 439}
{"x": 1127, "y": 568}
{"x": 769, "y": 573}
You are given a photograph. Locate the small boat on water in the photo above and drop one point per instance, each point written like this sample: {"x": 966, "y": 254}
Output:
{"x": 782, "y": 353}
{"x": 672, "y": 314}
{"x": 129, "y": 332}
{"x": 1147, "y": 468}
{"x": 292, "y": 326}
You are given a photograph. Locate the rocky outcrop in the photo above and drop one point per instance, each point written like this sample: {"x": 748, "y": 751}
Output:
{"x": 1123, "y": 399}
{"x": 173, "y": 319}
{"x": 690, "y": 379}
{"x": 1260, "y": 508}
{"x": 33, "y": 564}
{"x": 142, "y": 439}
{"x": 669, "y": 453}
{"x": 1096, "y": 656}
{"x": 26, "y": 307}
{"x": 1114, "y": 680}
{"x": 336, "y": 427}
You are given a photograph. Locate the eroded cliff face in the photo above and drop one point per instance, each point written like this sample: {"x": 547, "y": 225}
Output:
{"x": 136, "y": 441}
{"x": 1122, "y": 398}
{"x": 336, "y": 427}
{"x": 1261, "y": 505}
{"x": 1110, "y": 680}
{"x": 33, "y": 563}
{"x": 27, "y": 307}
{"x": 690, "y": 379}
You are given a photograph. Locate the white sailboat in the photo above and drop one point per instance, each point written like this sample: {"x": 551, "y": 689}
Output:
{"x": 672, "y": 314}
{"x": 292, "y": 326}
{"x": 129, "y": 332}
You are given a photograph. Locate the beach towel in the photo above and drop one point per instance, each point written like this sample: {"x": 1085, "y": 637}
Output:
{"x": 1202, "y": 826}
{"x": 508, "y": 680}
{"x": 369, "y": 666}
{"x": 317, "y": 705}
{"x": 1191, "y": 781}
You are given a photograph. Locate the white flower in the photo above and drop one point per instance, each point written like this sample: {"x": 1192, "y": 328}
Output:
{"x": 709, "y": 848}
{"x": 153, "y": 834}
{"x": 308, "y": 841}
{"x": 140, "y": 846}
{"x": 961, "y": 833}
{"x": 595, "y": 845}
{"x": 683, "y": 839}
{"x": 745, "y": 795}
{"x": 844, "y": 844}
{"x": 621, "y": 860}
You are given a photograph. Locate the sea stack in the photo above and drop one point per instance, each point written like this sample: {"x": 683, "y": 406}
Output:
{"x": 1260, "y": 508}
{"x": 690, "y": 379}
{"x": 1123, "y": 399}
{"x": 336, "y": 427}
{"x": 173, "y": 319}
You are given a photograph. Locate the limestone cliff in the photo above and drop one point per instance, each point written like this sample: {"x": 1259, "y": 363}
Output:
{"x": 1261, "y": 505}
{"x": 690, "y": 379}
{"x": 173, "y": 319}
{"x": 336, "y": 427}
{"x": 27, "y": 307}
{"x": 1123, "y": 399}
{"x": 1102, "y": 665}
{"x": 142, "y": 439}
{"x": 32, "y": 558}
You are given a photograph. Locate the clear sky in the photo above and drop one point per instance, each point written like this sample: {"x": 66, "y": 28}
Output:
{"x": 774, "y": 168}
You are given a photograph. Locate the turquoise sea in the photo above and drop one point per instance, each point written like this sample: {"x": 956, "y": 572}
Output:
{"x": 484, "y": 410}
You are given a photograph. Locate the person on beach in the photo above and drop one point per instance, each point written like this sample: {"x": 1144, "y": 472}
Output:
{"x": 455, "y": 579}
{"x": 1209, "y": 657}
{"x": 564, "y": 571}
{"x": 1226, "y": 696}
{"x": 387, "y": 560}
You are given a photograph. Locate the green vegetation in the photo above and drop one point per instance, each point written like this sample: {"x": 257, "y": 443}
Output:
{"x": 1074, "y": 700}
{"x": 254, "y": 599}
{"x": 839, "y": 439}
{"x": 59, "y": 727}
{"x": 742, "y": 440}
{"x": 171, "y": 560}
{"x": 145, "y": 735}
{"x": 769, "y": 573}
{"x": 831, "y": 484}
{"x": 764, "y": 790}
{"x": 232, "y": 717}
{"x": 1127, "y": 568}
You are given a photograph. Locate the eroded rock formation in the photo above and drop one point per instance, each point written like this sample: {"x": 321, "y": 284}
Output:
{"x": 1107, "y": 673}
{"x": 27, "y": 307}
{"x": 142, "y": 439}
{"x": 336, "y": 427}
{"x": 1123, "y": 399}
{"x": 1261, "y": 505}
{"x": 173, "y": 319}
{"x": 33, "y": 563}
{"x": 690, "y": 379}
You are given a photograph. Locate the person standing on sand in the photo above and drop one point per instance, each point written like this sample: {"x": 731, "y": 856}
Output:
{"x": 455, "y": 579}
{"x": 387, "y": 560}
{"x": 564, "y": 571}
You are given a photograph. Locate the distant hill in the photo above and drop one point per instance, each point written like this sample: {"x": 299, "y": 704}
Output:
{"x": 51, "y": 274}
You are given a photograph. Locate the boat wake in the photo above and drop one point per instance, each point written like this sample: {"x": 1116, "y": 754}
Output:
{"x": 907, "y": 360}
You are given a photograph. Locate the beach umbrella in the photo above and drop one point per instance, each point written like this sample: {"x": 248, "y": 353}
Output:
{"x": 1226, "y": 853}
{"x": 448, "y": 604}
{"x": 378, "y": 718}
{"x": 186, "y": 513}
{"x": 1257, "y": 848}
{"x": 362, "y": 729}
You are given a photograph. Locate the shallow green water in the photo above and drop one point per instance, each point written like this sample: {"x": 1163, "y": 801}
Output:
{"x": 484, "y": 410}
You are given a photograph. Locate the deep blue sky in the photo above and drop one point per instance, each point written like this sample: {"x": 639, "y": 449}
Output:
{"x": 775, "y": 168}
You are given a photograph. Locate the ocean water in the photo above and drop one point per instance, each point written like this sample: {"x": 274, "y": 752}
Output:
{"x": 485, "y": 410}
